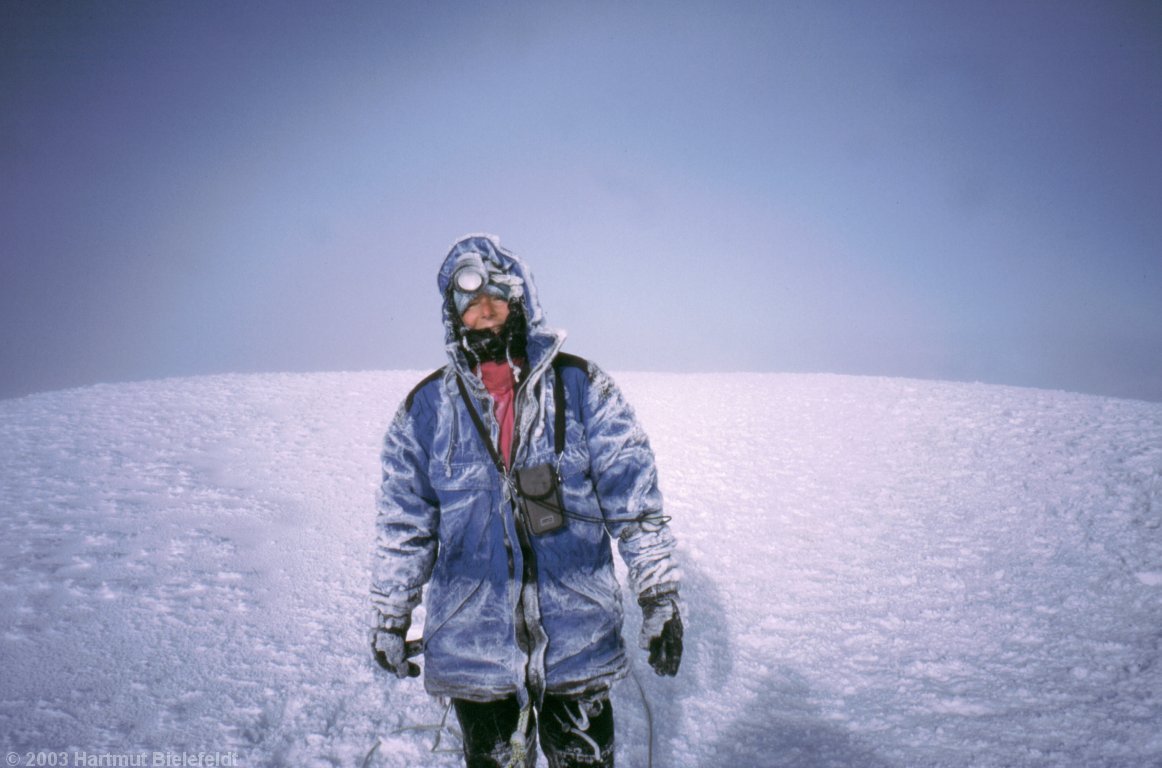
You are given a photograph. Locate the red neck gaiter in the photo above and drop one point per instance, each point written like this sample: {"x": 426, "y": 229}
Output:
{"x": 501, "y": 384}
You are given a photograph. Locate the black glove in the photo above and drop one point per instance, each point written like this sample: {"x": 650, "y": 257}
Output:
{"x": 391, "y": 652}
{"x": 661, "y": 633}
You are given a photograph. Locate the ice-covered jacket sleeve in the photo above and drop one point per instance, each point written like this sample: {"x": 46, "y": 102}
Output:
{"x": 406, "y": 520}
{"x": 625, "y": 477}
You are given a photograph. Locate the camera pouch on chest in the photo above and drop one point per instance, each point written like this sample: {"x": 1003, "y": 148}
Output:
{"x": 540, "y": 498}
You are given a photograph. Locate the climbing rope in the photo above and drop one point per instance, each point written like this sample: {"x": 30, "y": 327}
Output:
{"x": 519, "y": 741}
{"x": 441, "y": 730}
{"x": 649, "y": 718}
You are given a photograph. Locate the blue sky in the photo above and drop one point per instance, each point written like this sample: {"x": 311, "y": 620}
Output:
{"x": 939, "y": 190}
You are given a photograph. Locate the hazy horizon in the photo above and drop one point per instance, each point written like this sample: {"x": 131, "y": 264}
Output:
{"x": 902, "y": 189}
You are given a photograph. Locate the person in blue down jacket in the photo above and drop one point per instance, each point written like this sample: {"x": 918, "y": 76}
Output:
{"x": 507, "y": 519}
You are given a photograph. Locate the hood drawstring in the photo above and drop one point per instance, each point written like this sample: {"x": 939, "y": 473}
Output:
{"x": 516, "y": 369}
{"x": 469, "y": 353}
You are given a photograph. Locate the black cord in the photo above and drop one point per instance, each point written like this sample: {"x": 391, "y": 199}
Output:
{"x": 660, "y": 519}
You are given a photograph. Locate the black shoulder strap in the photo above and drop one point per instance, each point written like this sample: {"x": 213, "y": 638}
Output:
{"x": 562, "y": 360}
{"x": 559, "y": 411}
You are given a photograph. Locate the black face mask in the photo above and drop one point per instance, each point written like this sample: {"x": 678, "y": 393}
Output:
{"x": 507, "y": 344}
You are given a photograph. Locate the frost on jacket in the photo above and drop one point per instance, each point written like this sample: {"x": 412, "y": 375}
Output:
{"x": 445, "y": 521}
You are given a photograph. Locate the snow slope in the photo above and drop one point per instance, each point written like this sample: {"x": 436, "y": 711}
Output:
{"x": 879, "y": 572}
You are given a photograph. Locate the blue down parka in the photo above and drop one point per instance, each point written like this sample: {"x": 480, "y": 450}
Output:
{"x": 445, "y": 520}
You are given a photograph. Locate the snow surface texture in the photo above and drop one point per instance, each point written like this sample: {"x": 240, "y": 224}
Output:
{"x": 878, "y": 572}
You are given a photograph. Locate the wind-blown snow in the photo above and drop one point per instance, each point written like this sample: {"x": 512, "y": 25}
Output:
{"x": 878, "y": 572}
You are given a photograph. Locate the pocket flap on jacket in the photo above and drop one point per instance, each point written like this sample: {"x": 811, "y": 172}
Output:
{"x": 463, "y": 477}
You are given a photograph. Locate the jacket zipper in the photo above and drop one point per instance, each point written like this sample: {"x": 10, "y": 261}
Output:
{"x": 525, "y": 638}
{"x": 534, "y": 678}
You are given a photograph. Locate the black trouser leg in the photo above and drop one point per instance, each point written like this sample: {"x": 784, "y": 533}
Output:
{"x": 488, "y": 729}
{"x": 575, "y": 733}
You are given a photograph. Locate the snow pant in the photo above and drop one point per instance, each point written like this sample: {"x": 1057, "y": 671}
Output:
{"x": 574, "y": 732}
